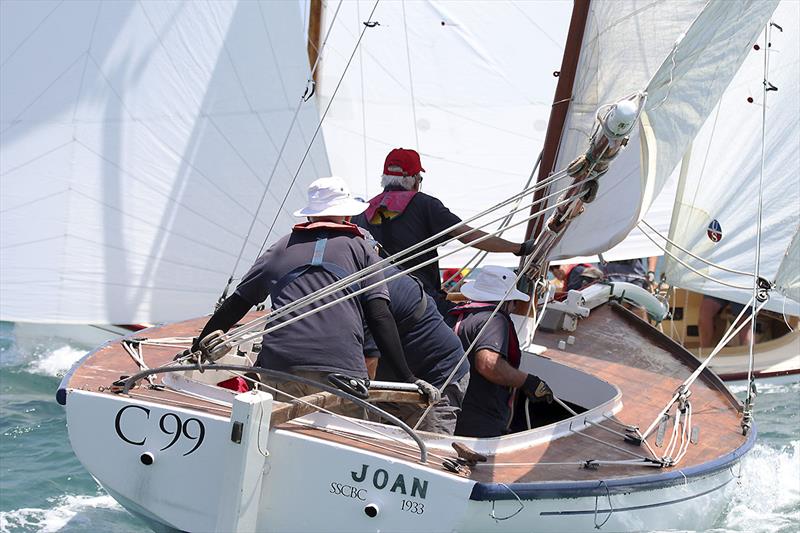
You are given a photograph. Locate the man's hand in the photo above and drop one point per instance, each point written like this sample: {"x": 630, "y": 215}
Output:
{"x": 537, "y": 390}
{"x": 431, "y": 393}
{"x": 526, "y": 248}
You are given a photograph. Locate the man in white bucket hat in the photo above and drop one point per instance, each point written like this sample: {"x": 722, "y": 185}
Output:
{"x": 494, "y": 360}
{"x": 315, "y": 254}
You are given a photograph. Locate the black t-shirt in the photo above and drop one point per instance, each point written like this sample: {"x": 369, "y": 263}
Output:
{"x": 331, "y": 340}
{"x": 431, "y": 348}
{"x": 423, "y": 217}
{"x": 485, "y": 411}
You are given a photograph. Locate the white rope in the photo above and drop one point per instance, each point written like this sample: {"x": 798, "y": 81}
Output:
{"x": 243, "y": 333}
{"x": 684, "y": 250}
{"x": 688, "y": 267}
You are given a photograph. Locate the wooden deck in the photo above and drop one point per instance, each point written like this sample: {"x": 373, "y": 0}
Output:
{"x": 611, "y": 344}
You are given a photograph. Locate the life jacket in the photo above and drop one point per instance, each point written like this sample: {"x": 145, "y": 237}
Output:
{"x": 388, "y": 205}
{"x": 317, "y": 259}
{"x": 571, "y": 268}
{"x": 460, "y": 311}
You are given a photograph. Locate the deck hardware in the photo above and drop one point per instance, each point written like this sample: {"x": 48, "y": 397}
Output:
{"x": 591, "y": 464}
{"x": 372, "y": 510}
{"x": 695, "y": 435}
{"x": 662, "y": 430}
{"x": 467, "y": 455}
{"x": 236, "y": 432}
{"x": 452, "y": 466}
{"x": 147, "y": 458}
{"x": 632, "y": 436}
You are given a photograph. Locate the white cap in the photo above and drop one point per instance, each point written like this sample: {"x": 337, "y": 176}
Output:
{"x": 331, "y": 197}
{"x": 492, "y": 284}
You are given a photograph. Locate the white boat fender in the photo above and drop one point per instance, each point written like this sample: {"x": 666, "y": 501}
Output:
{"x": 640, "y": 297}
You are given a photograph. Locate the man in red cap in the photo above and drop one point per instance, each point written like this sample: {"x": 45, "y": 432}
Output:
{"x": 402, "y": 216}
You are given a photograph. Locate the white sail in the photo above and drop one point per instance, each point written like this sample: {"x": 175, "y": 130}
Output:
{"x": 471, "y": 91}
{"x": 788, "y": 278}
{"x": 722, "y": 179}
{"x": 634, "y": 46}
{"x": 136, "y": 139}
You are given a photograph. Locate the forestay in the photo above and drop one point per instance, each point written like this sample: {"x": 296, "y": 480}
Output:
{"x": 136, "y": 141}
{"x": 722, "y": 178}
{"x": 468, "y": 84}
{"x": 629, "y": 47}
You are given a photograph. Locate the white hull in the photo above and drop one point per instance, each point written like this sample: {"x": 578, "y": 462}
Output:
{"x": 776, "y": 361}
{"x": 287, "y": 481}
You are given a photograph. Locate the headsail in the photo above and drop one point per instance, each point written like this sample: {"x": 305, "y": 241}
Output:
{"x": 136, "y": 139}
{"x": 634, "y": 47}
{"x": 715, "y": 212}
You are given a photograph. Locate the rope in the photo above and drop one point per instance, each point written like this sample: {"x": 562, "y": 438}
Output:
{"x": 688, "y": 267}
{"x": 278, "y": 160}
{"x": 707, "y": 262}
{"x": 512, "y": 515}
{"x": 367, "y": 25}
{"x": 760, "y": 206}
{"x": 243, "y": 334}
{"x": 469, "y": 349}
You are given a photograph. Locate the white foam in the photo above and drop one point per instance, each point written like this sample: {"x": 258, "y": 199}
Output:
{"x": 57, "y": 362}
{"x": 768, "y": 496}
{"x": 65, "y": 509}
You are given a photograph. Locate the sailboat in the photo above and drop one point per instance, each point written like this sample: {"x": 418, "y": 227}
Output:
{"x": 642, "y": 437}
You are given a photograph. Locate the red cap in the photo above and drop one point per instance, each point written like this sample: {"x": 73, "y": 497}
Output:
{"x": 408, "y": 160}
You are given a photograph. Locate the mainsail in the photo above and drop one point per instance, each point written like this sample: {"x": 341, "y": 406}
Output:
{"x": 684, "y": 74}
{"x": 717, "y": 205}
{"x": 136, "y": 139}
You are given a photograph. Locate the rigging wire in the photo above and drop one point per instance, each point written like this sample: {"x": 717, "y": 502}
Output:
{"x": 395, "y": 259}
{"x": 684, "y": 250}
{"x": 760, "y": 206}
{"x": 243, "y": 335}
{"x": 410, "y": 77}
{"x": 278, "y": 159}
{"x": 368, "y": 24}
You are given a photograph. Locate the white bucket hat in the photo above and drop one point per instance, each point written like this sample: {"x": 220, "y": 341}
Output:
{"x": 492, "y": 284}
{"x": 331, "y": 197}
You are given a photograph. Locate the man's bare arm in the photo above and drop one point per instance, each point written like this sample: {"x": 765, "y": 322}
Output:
{"x": 467, "y": 235}
{"x": 494, "y": 368}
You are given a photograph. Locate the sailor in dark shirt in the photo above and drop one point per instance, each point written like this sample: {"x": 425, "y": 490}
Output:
{"x": 402, "y": 216}
{"x": 314, "y": 255}
{"x": 432, "y": 351}
{"x": 494, "y": 360}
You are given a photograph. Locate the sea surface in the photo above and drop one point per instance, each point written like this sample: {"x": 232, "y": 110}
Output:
{"x": 43, "y": 487}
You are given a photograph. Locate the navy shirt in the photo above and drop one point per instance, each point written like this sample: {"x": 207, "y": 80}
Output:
{"x": 331, "y": 340}
{"x": 485, "y": 411}
{"x": 431, "y": 348}
{"x": 629, "y": 270}
{"x": 423, "y": 217}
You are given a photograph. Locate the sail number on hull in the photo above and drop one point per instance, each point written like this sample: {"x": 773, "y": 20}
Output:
{"x": 170, "y": 424}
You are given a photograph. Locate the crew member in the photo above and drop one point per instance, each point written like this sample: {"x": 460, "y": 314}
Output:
{"x": 432, "y": 351}
{"x": 402, "y": 216}
{"x": 495, "y": 358}
{"x": 315, "y": 254}
{"x": 575, "y": 277}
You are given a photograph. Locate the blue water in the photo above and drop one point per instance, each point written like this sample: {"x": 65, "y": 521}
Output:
{"x": 44, "y": 488}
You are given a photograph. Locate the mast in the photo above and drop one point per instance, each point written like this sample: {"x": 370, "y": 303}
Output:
{"x": 558, "y": 113}
{"x": 314, "y": 26}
